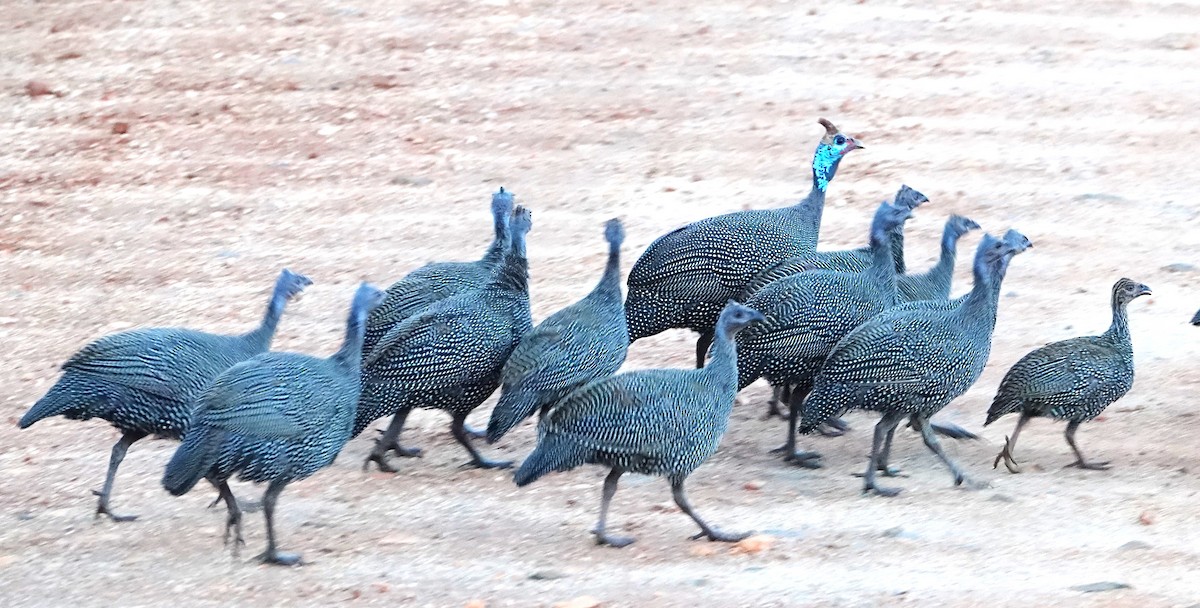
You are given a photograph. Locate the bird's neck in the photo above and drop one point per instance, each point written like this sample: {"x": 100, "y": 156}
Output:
{"x": 943, "y": 272}
{"x": 513, "y": 274}
{"x": 350, "y": 354}
{"x": 883, "y": 263}
{"x": 260, "y": 338}
{"x": 1118, "y": 331}
{"x": 610, "y": 282}
{"x": 986, "y": 291}
{"x": 503, "y": 240}
{"x": 722, "y": 363}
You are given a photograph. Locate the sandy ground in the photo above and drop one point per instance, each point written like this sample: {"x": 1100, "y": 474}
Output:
{"x": 358, "y": 140}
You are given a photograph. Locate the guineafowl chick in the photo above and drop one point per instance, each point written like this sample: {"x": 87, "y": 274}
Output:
{"x": 143, "y": 381}
{"x": 913, "y": 359}
{"x": 1072, "y": 380}
{"x": 449, "y": 356}
{"x": 582, "y": 342}
{"x": 440, "y": 280}
{"x": 274, "y": 419}
{"x": 684, "y": 277}
{"x": 663, "y": 422}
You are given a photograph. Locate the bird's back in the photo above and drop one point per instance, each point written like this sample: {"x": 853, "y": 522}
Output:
{"x": 1071, "y": 379}
{"x": 420, "y": 288}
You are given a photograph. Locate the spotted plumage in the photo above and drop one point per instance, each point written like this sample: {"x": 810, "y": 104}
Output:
{"x": 807, "y": 313}
{"x": 582, "y": 342}
{"x": 935, "y": 283}
{"x": 275, "y": 418}
{"x": 684, "y": 277}
{"x": 449, "y": 356}
{"x": 655, "y": 422}
{"x": 143, "y": 380}
{"x": 1196, "y": 318}
{"x": 1072, "y": 380}
{"x": 440, "y": 280}
{"x": 913, "y": 359}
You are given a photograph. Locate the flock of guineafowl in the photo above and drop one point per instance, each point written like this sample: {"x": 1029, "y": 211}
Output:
{"x": 831, "y": 331}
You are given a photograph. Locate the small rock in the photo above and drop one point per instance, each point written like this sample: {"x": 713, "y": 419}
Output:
{"x": 37, "y": 88}
{"x": 753, "y": 485}
{"x": 476, "y": 604}
{"x": 1134, "y": 545}
{"x": 583, "y": 601}
{"x": 1001, "y": 498}
{"x": 25, "y": 516}
{"x": 753, "y": 544}
{"x": 1147, "y": 518}
{"x": 120, "y": 128}
{"x": 547, "y": 575}
{"x": 1101, "y": 586}
{"x": 705, "y": 550}
{"x": 1179, "y": 267}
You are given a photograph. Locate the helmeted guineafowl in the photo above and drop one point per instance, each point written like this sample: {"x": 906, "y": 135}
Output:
{"x": 143, "y": 380}
{"x": 582, "y": 342}
{"x": 440, "y": 280}
{"x": 936, "y": 282}
{"x": 275, "y": 418}
{"x": 449, "y": 356}
{"x": 656, "y": 422}
{"x": 807, "y": 313}
{"x": 684, "y": 277}
{"x": 1072, "y": 380}
{"x": 913, "y": 359}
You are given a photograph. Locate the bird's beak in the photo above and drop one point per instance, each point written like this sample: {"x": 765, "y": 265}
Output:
{"x": 852, "y": 144}
{"x": 1144, "y": 290}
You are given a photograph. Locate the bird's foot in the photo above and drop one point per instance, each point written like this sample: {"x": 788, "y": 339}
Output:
{"x": 773, "y": 411}
{"x": 715, "y": 535}
{"x": 879, "y": 490}
{"x": 885, "y": 471}
{"x": 807, "y": 460}
{"x": 479, "y": 462}
{"x": 612, "y": 540}
{"x": 234, "y": 524}
{"x": 400, "y": 450}
{"x": 380, "y": 461}
{"x": 834, "y": 427}
{"x": 1005, "y": 454}
{"x": 951, "y": 430}
{"x": 473, "y": 432}
{"x": 1089, "y": 466}
{"x": 102, "y": 509}
{"x": 279, "y": 558}
{"x": 961, "y": 479}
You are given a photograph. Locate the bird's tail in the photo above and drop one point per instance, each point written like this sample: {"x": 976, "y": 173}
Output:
{"x": 1002, "y": 405}
{"x": 59, "y": 400}
{"x": 513, "y": 407}
{"x": 192, "y": 460}
{"x": 553, "y": 453}
{"x": 820, "y": 406}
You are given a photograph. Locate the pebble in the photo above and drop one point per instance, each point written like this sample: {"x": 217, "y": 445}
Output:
{"x": 1101, "y": 586}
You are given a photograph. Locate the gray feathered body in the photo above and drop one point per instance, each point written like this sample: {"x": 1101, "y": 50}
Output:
{"x": 144, "y": 379}
{"x": 276, "y": 416}
{"x": 582, "y": 342}
{"x": 686, "y": 276}
{"x": 916, "y": 357}
{"x": 655, "y": 422}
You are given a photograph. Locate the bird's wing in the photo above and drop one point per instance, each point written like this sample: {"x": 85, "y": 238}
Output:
{"x": 883, "y": 351}
{"x": 633, "y": 413}
{"x": 1054, "y": 371}
{"x": 155, "y": 361}
{"x": 266, "y": 396}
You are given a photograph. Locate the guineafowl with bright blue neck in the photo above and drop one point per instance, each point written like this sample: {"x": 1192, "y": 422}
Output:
{"x": 685, "y": 277}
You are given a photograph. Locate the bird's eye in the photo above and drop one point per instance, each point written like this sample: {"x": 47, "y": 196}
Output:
{"x": 839, "y": 140}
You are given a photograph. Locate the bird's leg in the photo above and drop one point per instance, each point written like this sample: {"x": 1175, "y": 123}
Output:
{"x": 114, "y": 461}
{"x": 1080, "y": 461}
{"x": 834, "y": 427}
{"x": 388, "y": 441}
{"x": 702, "y": 345}
{"x": 882, "y": 463}
{"x": 706, "y": 531}
{"x": 808, "y": 460}
{"x": 887, "y": 425}
{"x": 394, "y": 445}
{"x": 931, "y": 442}
{"x": 477, "y": 459}
{"x": 473, "y": 432}
{"x": 233, "y": 518}
{"x": 610, "y": 490}
{"x": 1006, "y": 454}
{"x": 779, "y": 395}
{"x": 272, "y": 554}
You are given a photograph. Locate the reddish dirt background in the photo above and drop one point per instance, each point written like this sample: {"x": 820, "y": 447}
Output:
{"x": 187, "y": 151}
